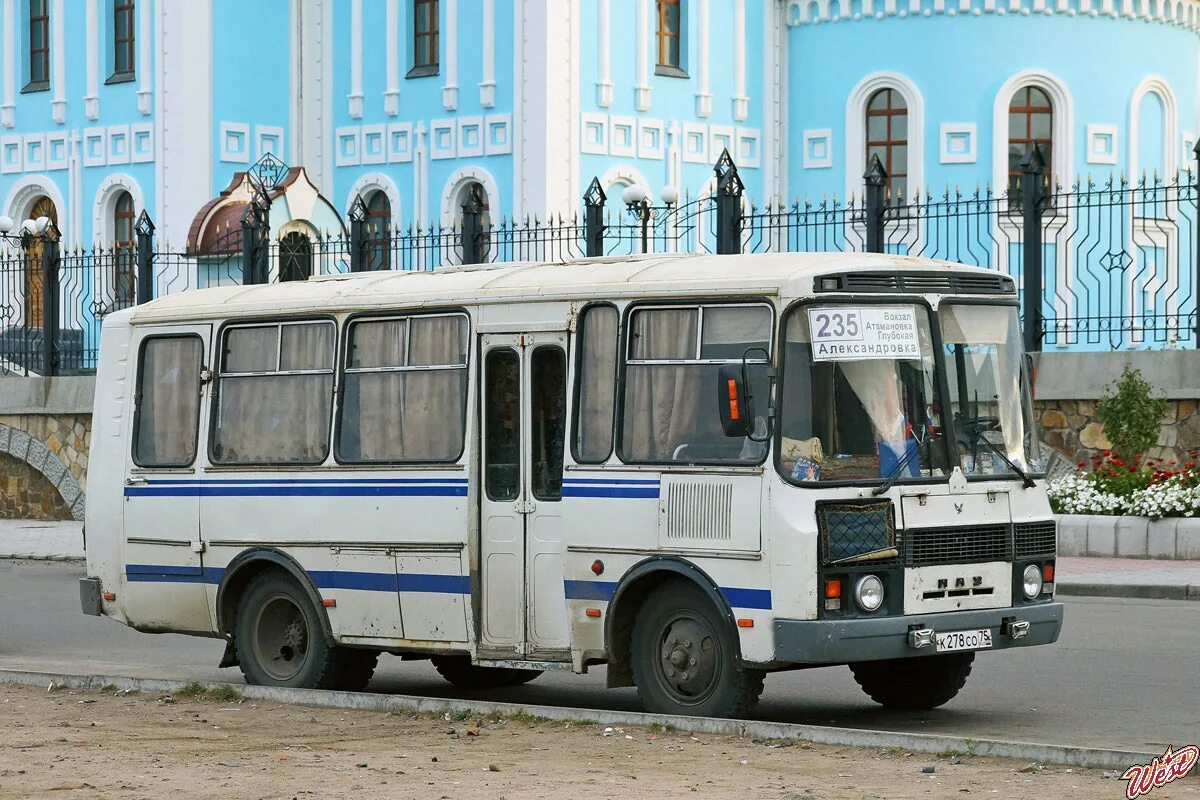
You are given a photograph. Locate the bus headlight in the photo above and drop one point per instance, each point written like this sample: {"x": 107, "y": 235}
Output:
{"x": 1032, "y": 581}
{"x": 868, "y": 593}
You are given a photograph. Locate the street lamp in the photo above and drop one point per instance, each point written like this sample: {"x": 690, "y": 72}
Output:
{"x": 637, "y": 201}
{"x": 29, "y": 227}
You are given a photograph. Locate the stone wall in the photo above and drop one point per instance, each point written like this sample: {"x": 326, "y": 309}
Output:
{"x": 26, "y": 493}
{"x": 1071, "y": 428}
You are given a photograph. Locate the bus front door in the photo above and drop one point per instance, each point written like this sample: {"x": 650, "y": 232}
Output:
{"x": 524, "y": 609}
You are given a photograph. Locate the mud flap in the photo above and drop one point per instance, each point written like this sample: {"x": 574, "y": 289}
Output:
{"x": 229, "y": 658}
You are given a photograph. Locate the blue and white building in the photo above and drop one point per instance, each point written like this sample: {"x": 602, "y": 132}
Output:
{"x": 108, "y": 107}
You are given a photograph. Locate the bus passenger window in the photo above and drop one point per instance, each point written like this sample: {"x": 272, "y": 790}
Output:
{"x": 405, "y": 390}
{"x": 168, "y": 402}
{"x": 597, "y": 384}
{"x": 275, "y": 394}
{"x": 548, "y": 378}
{"x": 502, "y": 410}
{"x": 674, "y": 354}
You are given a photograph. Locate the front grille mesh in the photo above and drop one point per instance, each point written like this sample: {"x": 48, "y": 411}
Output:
{"x": 965, "y": 545}
{"x": 852, "y": 531}
{"x": 1036, "y": 539}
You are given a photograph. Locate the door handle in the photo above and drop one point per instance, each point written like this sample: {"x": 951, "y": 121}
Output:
{"x": 134, "y": 480}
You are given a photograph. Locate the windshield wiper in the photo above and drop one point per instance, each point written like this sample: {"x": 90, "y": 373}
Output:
{"x": 1025, "y": 479}
{"x": 896, "y": 472}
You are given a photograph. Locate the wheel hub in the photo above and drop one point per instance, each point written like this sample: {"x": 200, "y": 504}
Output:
{"x": 281, "y": 638}
{"x": 689, "y": 658}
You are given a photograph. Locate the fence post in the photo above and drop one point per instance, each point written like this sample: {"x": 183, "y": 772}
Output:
{"x": 876, "y": 201}
{"x": 593, "y": 218}
{"x": 1032, "y": 194}
{"x": 729, "y": 205}
{"x": 358, "y": 238}
{"x": 249, "y": 231}
{"x": 255, "y": 234}
{"x": 1196, "y": 248}
{"x": 50, "y": 326}
{"x": 144, "y": 228}
{"x": 472, "y": 211}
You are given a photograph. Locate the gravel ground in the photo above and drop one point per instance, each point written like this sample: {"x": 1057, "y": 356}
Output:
{"x": 56, "y": 743}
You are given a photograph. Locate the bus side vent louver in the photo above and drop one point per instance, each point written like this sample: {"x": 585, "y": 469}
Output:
{"x": 698, "y": 511}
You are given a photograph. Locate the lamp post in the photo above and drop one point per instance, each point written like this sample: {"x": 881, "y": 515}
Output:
{"x": 29, "y": 228}
{"x": 637, "y": 202}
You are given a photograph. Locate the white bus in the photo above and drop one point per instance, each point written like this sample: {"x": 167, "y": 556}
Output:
{"x": 693, "y": 469}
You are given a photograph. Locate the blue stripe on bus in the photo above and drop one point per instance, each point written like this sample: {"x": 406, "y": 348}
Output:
{"x": 610, "y": 491}
{"x": 613, "y": 481}
{"x": 296, "y": 481}
{"x": 299, "y": 490}
{"x": 603, "y": 590}
{"x": 324, "y": 579}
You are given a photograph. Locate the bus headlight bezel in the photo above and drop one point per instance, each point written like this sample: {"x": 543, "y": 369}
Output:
{"x": 1031, "y": 582}
{"x": 869, "y": 593}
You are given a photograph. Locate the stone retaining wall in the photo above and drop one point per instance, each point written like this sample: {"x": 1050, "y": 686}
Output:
{"x": 1071, "y": 427}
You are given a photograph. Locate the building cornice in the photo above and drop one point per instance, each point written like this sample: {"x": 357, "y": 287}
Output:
{"x": 1177, "y": 13}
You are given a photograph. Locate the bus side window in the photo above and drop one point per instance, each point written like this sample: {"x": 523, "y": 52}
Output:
{"x": 275, "y": 394}
{"x": 167, "y": 415}
{"x": 597, "y": 384}
{"x": 404, "y": 390}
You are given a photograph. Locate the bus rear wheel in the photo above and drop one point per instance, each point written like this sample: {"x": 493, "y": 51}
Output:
{"x": 914, "y": 684}
{"x": 462, "y": 673}
{"x": 280, "y": 642}
{"x": 684, "y": 657}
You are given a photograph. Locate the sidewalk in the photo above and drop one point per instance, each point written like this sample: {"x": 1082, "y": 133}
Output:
{"x": 30, "y": 538}
{"x": 1128, "y": 577}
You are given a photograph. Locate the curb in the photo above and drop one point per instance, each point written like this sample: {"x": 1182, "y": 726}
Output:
{"x": 1088, "y": 757}
{"x": 1145, "y": 591}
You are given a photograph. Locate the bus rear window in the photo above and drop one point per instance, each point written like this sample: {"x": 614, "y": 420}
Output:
{"x": 405, "y": 390}
{"x": 275, "y": 394}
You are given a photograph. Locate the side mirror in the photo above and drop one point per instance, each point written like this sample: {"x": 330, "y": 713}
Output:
{"x": 733, "y": 400}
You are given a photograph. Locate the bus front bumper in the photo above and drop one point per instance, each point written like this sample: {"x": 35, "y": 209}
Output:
{"x": 875, "y": 639}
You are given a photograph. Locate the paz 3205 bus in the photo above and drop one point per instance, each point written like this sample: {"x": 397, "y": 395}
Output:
{"x": 693, "y": 469}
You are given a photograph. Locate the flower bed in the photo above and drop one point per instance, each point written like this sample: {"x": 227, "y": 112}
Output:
{"x": 1142, "y": 487}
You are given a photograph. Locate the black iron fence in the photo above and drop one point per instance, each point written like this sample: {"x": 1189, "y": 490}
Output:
{"x": 1099, "y": 266}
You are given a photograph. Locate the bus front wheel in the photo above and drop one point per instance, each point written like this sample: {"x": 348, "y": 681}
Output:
{"x": 914, "y": 684}
{"x": 684, "y": 657}
{"x": 279, "y": 641}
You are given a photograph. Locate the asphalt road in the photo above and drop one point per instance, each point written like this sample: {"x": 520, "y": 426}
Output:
{"x": 1125, "y": 673}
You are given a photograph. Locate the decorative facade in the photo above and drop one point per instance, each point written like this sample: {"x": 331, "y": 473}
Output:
{"x": 109, "y": 107}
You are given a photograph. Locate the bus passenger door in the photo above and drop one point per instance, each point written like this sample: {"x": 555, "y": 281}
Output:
{"x": 524, "y": 611}
{"x": 165, "y": 581}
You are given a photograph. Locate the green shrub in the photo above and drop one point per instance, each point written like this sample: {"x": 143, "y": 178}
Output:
{"x": 1130, "y": 413}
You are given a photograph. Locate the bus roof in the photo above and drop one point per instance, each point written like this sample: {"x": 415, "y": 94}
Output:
{"x": 656, "y": 275}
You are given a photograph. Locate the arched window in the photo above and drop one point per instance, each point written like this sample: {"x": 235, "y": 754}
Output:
{"x": 124, "y": 258}
{"x": 668, "y": 32}
{"x": 379, "y": 227}
{"x": 34, "y": 315}
{"x": 295, "y": 257}
{"x": 474, "y": 188}
{"x": 887, "y": 137}
{"x": 1030, "y": 122}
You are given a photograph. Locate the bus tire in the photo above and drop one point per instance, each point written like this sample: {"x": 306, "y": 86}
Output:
{"x": 356, "y": 668}
{"x": 914, "y": 684}
{"x": 459, "y": 671}
{"x": 279, "y": 638}
{"x": 684, "y": 657}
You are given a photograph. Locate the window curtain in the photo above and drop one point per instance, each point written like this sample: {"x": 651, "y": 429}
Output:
{"x": 662, "y": 400}
{"x": 598, "y": 362}
{"x": 433, "y": 399}
{"x": 170, "y": 395}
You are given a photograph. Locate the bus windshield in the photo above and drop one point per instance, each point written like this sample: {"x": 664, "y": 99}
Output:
{"x": 858, "y": 398}
{"x": 987, "y": 395}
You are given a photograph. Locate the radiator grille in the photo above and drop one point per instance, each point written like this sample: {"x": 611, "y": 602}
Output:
{"x": 1036, "y": 539}
{"x": 850, "y": 531}
{"x": 698, "y": 511}
{"x": 966, "y": 545}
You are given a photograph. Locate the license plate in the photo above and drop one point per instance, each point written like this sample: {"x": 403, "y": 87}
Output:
{"x": 963, "y": 640}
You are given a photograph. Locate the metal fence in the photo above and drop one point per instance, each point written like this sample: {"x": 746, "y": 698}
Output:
{"x": 1099, "y": 266}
